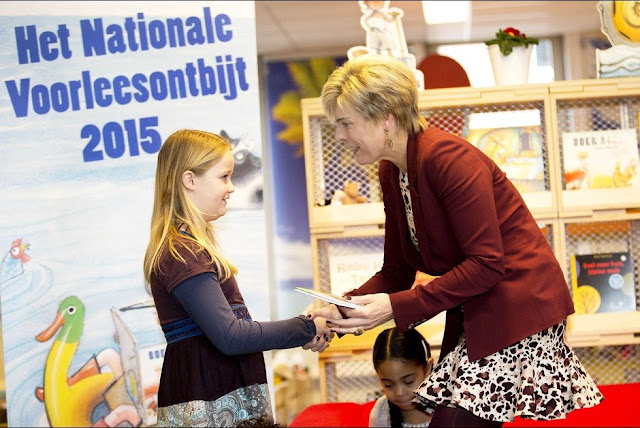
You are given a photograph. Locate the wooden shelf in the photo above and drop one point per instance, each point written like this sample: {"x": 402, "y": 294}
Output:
{"x": 604, "y": 329}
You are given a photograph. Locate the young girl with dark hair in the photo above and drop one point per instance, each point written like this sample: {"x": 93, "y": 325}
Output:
{"x": 402, "y": 361}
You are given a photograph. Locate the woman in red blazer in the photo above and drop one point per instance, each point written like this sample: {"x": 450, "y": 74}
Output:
{"x": 452, "y": 213}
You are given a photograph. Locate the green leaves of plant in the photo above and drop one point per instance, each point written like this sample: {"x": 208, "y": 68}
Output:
{"x": 507, "y": 42}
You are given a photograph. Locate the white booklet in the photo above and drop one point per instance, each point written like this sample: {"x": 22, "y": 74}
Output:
{"x": 328, "y": 297}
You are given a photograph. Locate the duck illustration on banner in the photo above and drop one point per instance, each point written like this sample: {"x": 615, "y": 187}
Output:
{"x": 12, "y": 262}
{"x": 93, "y": 396}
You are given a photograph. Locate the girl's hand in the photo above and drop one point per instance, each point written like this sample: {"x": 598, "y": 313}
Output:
{"x": 376, "y": 310}
{"x": 322, "y": 338}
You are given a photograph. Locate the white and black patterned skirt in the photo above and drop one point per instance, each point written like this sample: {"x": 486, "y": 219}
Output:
{"x": 538, "y": 378}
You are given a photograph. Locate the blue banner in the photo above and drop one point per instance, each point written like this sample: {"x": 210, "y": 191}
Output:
{"x": 89, "y": 92}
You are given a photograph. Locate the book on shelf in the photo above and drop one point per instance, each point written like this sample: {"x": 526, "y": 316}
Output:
{"x": 600, "y": 159}
{"x": 603, "y": 282}
{"x": 349, "y": 271}
{"x": 517, "y": 149}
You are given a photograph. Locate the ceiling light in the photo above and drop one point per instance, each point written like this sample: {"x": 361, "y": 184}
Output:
{"x": 443, "y": 12}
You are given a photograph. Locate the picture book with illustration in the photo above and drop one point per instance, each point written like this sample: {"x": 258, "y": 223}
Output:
{"x": 516, "y": 149}
{"x": 603, "y": 282}
{"x": 600, "y": 159}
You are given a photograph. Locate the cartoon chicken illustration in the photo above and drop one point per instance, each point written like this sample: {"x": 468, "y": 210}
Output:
{"x": 12, "y": 262}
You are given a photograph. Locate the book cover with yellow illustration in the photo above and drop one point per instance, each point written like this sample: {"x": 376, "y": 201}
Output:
{"x": 514, "y": 141}
{"x": 603, "y": 283}
{"x": 600, "y": 159}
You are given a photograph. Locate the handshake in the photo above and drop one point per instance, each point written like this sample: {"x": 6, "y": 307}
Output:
{"x": 359, "y": 313}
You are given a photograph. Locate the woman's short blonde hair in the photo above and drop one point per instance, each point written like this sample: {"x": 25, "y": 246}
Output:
{"x": 374, "y": 86}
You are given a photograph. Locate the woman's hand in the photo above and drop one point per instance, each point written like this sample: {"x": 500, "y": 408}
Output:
{"x": 323, "y": 336}
{"x": 329, "y": 312}
{"x": 376, "y": 310}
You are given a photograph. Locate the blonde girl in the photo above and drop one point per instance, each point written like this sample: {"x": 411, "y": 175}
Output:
{"x": 213, "y": 372}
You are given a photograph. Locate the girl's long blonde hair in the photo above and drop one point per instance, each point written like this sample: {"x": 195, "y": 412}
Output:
{"x": 184, "y": 150}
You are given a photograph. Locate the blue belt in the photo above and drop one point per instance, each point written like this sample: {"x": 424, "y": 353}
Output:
{"x": 179, "y": 330}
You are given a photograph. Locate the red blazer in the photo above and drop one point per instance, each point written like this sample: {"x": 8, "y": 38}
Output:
{"x": 474, "y": 231}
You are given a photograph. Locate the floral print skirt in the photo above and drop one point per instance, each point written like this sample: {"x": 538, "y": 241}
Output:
{"x": 251, "y": 402}
{"x": 537, "y": 378}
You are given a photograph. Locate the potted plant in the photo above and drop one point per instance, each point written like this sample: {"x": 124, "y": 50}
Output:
{"x": 509, "y": 38}
{"x": 510, "y": 54}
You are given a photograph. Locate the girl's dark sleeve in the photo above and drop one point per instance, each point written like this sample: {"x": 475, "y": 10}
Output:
{"x": 204, "y": 301}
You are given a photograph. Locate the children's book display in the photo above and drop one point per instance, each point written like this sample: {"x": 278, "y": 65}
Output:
{"x": 600, "y": 159}
{"x": 603, "y": 283}
{"x": 516, "y": 149}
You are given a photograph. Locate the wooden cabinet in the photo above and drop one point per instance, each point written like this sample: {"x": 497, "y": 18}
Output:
{"x": 574, "y": 221}
{"x": 599, "y": 220}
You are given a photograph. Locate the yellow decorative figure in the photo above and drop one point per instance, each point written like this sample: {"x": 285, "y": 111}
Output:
{"x": 70, "y": 401}
{"x": 626, "y": 20}
{"x": 620, "y": 22}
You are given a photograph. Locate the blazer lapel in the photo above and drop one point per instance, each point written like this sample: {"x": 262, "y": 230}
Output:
{"x": 418, "y": 218}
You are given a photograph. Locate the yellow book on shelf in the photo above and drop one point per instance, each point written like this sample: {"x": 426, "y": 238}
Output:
{"x": 603, "y": 282}
{"x": 574, "y": 277}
